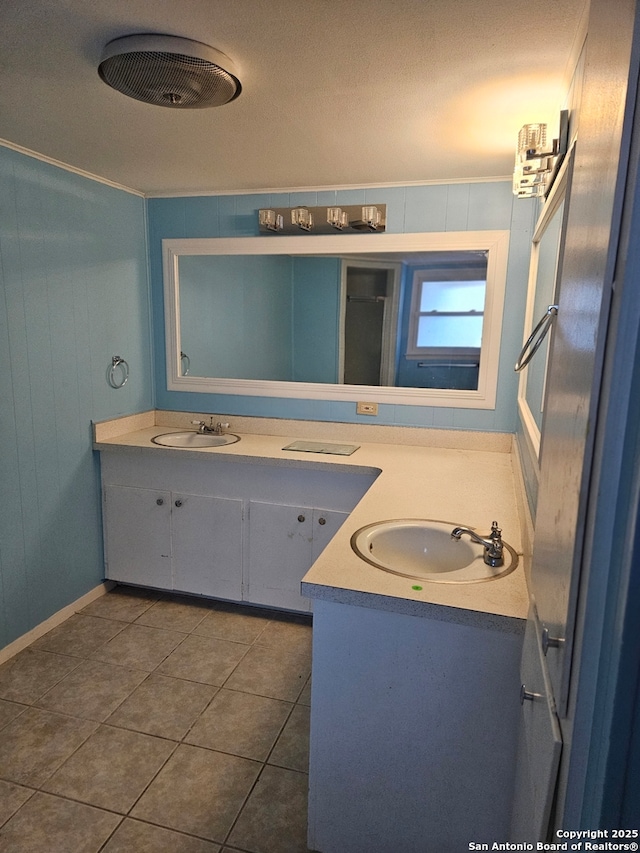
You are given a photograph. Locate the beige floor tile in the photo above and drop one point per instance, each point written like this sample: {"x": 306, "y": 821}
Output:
{"x": 277, "y": 673}
{"x": 292, "y": 748}
{"x": 132, "y": 836}
{"x": 240, "y": 723}
{"x": 287, "y": 634}
{"x": 174, "y": 615}
{"x": 111, "y": 769}
{"x": 305, "y": 696}
{"x": 9, "y": 711}
{"x": 241, "y": 626}
{"x": 198, "y": 791}
{"x": 28, "y": 675}
{"x": 48, "y": 824}
{"x": 92, "y": 691}
{"x": 79, "y": 636}
{"x": 163, "y": 706}
{"x": 274, "y": 820}
{"x": 123, "y": 603}
{"x": 204, "y": 659}
{"x": 11, "y": 798}
{"x": 35, "y": 744}
{"x": 139, "y": 647}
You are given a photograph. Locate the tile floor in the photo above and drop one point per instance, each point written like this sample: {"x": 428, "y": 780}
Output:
{"x": 147, "y": 723}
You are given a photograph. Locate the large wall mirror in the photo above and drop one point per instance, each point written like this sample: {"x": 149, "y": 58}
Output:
{"x": 402, "y": 318}
{"x": 544, "y": 274}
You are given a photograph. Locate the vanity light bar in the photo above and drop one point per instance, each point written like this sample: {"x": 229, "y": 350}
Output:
{"x": 323, "y": 220}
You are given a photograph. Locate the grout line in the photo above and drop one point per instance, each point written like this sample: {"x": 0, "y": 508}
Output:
{"x": 286, "y": 618}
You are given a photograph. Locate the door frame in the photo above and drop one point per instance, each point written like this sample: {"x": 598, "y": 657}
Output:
{"x": 389, "y": 320}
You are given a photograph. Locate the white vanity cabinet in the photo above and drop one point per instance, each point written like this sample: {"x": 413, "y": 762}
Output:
{"x": 284, "y": 541}
{"x": 173, "y": 540}
{"x": 214, "y": 526}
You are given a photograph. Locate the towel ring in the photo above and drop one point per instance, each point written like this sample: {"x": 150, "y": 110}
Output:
{"x": 114, "y": 380}
{"x": 541, "y": 331}
{"x": 185, "y": 358}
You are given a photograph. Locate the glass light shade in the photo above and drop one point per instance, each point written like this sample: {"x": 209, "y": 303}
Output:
{"x": 302, "y": 217}
{"x": 371, "y": 215}
{"x": 532, "y": 138}
{"x": 337, "y": 218}
{"x": 270, "y": 220}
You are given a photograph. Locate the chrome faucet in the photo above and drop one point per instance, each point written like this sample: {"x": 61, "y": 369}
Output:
{"x": 218, "y": 429}
{"x": 493, "y": 545}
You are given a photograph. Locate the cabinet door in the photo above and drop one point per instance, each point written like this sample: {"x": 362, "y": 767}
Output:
{"x": 207, "y": 545}
{"x": 325, "y": 525}
{"x": 137, "y": 525}
{"x": 280, "y": 553}
{"x": 540, "y": 744}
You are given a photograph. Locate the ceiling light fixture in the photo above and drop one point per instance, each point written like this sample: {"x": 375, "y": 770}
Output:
{"x": 169, "y": 71}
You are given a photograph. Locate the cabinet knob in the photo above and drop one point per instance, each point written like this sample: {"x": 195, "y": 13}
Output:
{"x": 301, "y": 517}
{"x": 322, "y": 520}
{"x": 178, "y": 503}
{"x": 527, "y": 694}
{"x": 160, "y": 501}
{"x": 550, "y": 642}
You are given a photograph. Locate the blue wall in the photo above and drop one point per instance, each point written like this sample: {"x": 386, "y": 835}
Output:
{"x": 316, "y": 312}
{"x": 73, "y": 293}
{"x": 235, "y": 313}
{"x": 455, "y": 207}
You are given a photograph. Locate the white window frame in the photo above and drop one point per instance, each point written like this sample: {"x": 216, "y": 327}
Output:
{"x": 415, "y": 352}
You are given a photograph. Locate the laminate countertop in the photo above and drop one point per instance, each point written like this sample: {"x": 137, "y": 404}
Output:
{"x": 467, "y": 487}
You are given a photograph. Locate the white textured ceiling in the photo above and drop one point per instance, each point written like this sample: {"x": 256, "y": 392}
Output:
{"x": 335, "y": 92}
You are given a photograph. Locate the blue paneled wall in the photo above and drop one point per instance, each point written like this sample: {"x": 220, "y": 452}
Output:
{"x": 73, "y": 292}
{"x": 455, "y": 207}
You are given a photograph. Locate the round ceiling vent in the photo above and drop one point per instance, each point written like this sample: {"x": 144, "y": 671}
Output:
{"x": 169, "y": 71}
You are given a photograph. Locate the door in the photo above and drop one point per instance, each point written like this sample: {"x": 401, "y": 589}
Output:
{"x": 138, "y": 535}
{"x": 575, "y": 367}
{"x": 280, "y": 538}
{"x": 563, "y": 537}
{"x": 206, "y": 539}
{"x": 539, "y": 746}
{"x": 325, "y": 526}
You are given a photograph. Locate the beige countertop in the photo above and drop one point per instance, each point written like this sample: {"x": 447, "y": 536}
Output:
{"x": 468, "y": 487}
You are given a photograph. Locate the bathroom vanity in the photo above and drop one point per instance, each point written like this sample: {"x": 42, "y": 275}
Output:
{"x": 241, "y": 529}
{"x": 415, "y": 687}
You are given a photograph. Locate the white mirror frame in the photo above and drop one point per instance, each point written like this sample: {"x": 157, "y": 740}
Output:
{"x": 495, "y": 243}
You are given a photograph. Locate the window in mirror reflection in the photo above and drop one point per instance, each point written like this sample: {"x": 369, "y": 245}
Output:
{"x": 445, "y": 325}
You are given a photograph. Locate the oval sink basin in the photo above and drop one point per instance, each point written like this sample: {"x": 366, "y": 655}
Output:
{"x": 190, "y": 438}
{"x": 423, "y": 549}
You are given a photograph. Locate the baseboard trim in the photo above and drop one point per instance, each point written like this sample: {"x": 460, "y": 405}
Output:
{"x": 57, "y": 619}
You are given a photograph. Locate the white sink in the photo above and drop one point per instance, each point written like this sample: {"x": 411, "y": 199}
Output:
{"x": 193, "y": 439}
{"x": 424, "y": 549}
